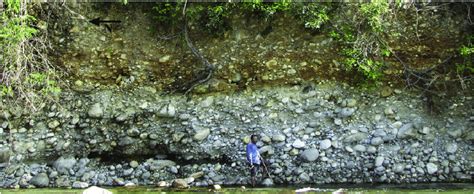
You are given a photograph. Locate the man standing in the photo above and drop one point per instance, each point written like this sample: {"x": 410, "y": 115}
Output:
{"x": 253, "y": 158}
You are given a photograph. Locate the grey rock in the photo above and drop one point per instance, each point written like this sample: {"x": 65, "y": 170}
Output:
{"x": 278, "y": 138}
{"x": 96, "y": 111}
{"x": 174, "y": 170}
{"x": 360, "y": 148}
{"x": 63, "y": 165}
{"x": 389, "y": 111}
{"x": 63, "y": 181}
{"x": 431, "y": 168}
{"x": 356, "y": 137}
{"x": 346, "y": 112}
{"x": 398, "y": 168}
{"x": 376, "y": 141}
{"x": 455, "y": 133}
{"x": 304, "y": 177}
{"x": 167, "y": 111}
{"x": 325, "y": 144}
{"x": 309, "y": 155}
{"x": 156, "y": 165}
{"x": 379, "y": 161}
{"x": 351, "y": 102}
{"x": 40, "y": 180}
{"x": 406, "y": 131}
{"x": 202, "y": 134}
{"x": 337, "y": 121}
{"x": 298, "y": 144}
{"x": 451, "y": 148}
{"x": 79, "y": 185}
{"x": 207, "y": 102}
{"x": 133, "y": 164}
{"x": 180, "y": 183}
{"x": 267, "y": 182}
{"x": 53, "y": 124}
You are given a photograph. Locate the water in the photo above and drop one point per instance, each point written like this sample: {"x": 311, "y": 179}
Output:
{"x": 451, "y": 188}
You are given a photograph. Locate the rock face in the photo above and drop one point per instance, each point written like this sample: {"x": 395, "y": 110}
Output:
{"x": 144, "y": 138}
{"x": 40, "y": 180}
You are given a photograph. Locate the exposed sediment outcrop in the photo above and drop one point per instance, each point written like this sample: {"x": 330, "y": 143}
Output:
{"x": 330, "y": 134}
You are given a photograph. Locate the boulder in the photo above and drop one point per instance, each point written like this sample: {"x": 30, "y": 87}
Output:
{"x": 202, "y": 134}
{"x": 325, "y": 144}
{"x": 452, "y": 148}
{"x": 267, "y": 182}
{"x": 79, "y": 185}
{"x": 278, "y": 138}
{"x": 217, "y": 187}
{"x": 180, "y": 184}
{"x": 96, "y": 111}
{"x": 406, "y": 131}
{"x": 63, "y": 164}
{"x": 162, "y": 184}
{"x": 431, "y": 168}
{"x": 376, "y": 141}
{"x": 96, "y": 190}
{"x": 346, "y": 112}
{"x": 40, "y": 180}
{"x": 356, "y": 137}
{"x": 309, "y": 155}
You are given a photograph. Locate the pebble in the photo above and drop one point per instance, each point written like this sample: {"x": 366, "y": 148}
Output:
{"x": 96, "y": 111}
{"x": 309, "y": 155}
{"x": 202, "y": 134}
{"x": 431, "y": 168}
{"x": 79, "y": 185}
{"x": 133, "y": 164}
{"x": 164, "y": 58}
{"x": 376, "y": 141}
{"x": 451, "y": 148}
{"x": 379, "y": 160}
{"x": 325, "y": 144}
{"x": 360, "y": 148}
{"x": 298, "y": 144}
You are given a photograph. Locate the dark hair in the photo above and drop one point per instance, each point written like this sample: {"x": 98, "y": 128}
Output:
{"x": 251, "y": 137}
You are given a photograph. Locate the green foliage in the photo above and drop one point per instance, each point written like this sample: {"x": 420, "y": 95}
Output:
{"x": 362, "y": 38}
{"x": 267, "y": 8}
{"x": 43, "y": 83}
{"x": 373, "y": 13}
{"x": 467, "y": 53}
{"x": 313, "y": 15}
{"x": 168, "y": 13}
{"x": 15, "y": 28}
{"x": 26, "y": 76}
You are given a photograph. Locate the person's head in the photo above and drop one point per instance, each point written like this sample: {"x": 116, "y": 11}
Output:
{"x": 254, "y": 138}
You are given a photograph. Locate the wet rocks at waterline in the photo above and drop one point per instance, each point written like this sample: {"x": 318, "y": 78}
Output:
{"x": 331, "y": 134}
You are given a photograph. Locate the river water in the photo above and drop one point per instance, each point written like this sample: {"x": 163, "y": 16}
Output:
{"x": 451, "y": 188}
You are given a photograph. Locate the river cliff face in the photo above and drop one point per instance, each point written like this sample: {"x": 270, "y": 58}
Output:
{"x": 322, "y": 133}
{"x": 117, "y": 122}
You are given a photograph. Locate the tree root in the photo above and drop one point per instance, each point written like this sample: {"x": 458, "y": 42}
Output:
{"x": 208, "y": 71}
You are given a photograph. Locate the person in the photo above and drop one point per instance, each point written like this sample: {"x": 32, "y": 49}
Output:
{"x": 253, "y": 158}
